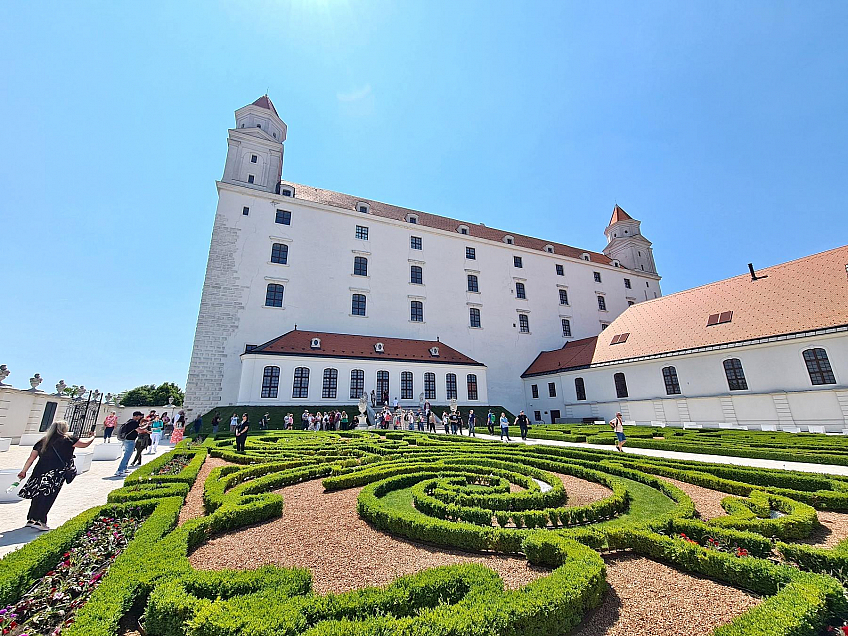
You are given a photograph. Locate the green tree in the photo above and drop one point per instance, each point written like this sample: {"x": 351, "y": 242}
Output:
{"x": 152, "y": 395}
{"x": 166, "y": 390}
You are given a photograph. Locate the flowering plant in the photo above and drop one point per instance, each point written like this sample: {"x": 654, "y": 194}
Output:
{"x": 51, "y": 602}
{"x": 712, "y": 543}
{"x": 175, "y": 465}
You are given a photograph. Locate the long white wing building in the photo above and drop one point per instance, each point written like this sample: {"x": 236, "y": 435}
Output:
{"x": 286, "y": 257}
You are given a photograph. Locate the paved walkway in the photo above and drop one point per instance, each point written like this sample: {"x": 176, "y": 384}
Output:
{"x": 87, "y": 490}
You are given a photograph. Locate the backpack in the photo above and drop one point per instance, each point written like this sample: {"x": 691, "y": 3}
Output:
{"x": 122, "y": 432}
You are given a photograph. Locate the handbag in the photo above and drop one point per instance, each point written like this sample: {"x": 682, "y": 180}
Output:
{"x": 70, "y": 469}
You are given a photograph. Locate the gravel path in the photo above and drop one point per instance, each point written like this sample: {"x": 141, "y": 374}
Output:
{"x": 321, "y": 531}
{"x": 193, "y": 506}
{"x": 648, "y": 598}
{"x": 834, "y": 529}
{"x": 707, "y": 502}
{"x": 581, "y": 491}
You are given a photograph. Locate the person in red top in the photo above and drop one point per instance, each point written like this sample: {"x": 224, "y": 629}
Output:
{"x": 109, "y": 426}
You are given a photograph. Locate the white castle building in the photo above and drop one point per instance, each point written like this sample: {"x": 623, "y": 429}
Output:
{"x": 312, "y": 296}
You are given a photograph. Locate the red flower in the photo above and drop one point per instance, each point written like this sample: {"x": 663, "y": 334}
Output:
{"x": 845, "y": 630}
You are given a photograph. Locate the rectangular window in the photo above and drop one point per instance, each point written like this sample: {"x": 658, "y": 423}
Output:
{"x": 551, "y": 389}
{"x": 331, "y": 383}
{"x": 416, "y": 311}
{"x": 818, "y": 366}
{"x": 534, "y": 391}
{"x": 253, "y": 158}
{"x": 735, "y": 375}
{"x": 470, "y": 253}
{"x": 362, "y": 232}
{"x": 358, "y": 305}
{"x": 250, "y": 178}
{"x": 383, "y": 386}
{"x": 274, "y": 295}
{"x": 270, "y": 382}
{"x": 472, "y": 283}
{"x": 604, "y": 325}
{"x": 450, "y": 386}
{"x": 429, "y": 386}
{"x": 523, "y": 323}
{"x": 563, "y": 296}
{"x": 357, "y": 383}
{"x": 360, "y": 266}
{"x": 602, "y": 303}
{"x": 283, "y": 217}
{"x": 415, "y": 242}
{"x": 280, "y": 253}
{"x": 537, "y": 415}
{"x": 363, "y": 209}
{"x": 406, "y": 389}
{"x": 597, "y": 276}
{"x": 566, "y": 328}
{"x": 516, "y": 260}
{"x": 560, "y": 270}
{"x": 474, "y": 316}
{"x": 620, "y": 385}
{"x": 580, "y": 388}
{"x": 245, "y": 210}
{"x": 472, "y": 386}
{"x": 672, "y": 386}
{"x": 627, "y": 283}
{"x": 286, "y": 192}
{"x": 300, "y": 385}
{"x": 520, "y": 292}
{"x": 416, "y": 275}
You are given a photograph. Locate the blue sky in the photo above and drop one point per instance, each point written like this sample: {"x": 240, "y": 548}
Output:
{"x": 720, "y": 125}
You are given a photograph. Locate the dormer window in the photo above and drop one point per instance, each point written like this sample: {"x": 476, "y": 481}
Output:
{"x": 259, "y": 126}
{"x": 719, "y": 319}
{"x": 616, "y": 264}
{"x": 379, "y": 347}
{"x": 549, "y": 249}
{"x": 462, "y": 229}
{"x": 287, "y": 192}
{"x": 364, "y": 208}
{"x": 585, "y": 257}
{"x": 509, "y": 240}
{"x": 412, "y": 218}
{"x": 253, "y": 158}
{"x": 316, "y": 343}
{"x": 434, "y": 351}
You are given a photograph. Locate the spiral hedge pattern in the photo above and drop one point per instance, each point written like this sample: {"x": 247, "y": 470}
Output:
{"x": 460, "y": 493}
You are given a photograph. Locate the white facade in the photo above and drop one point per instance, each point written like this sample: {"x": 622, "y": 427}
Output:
{"x": 318, "y": 282}
{"x": 780, "y": 391}
{"x": 23, "y": 412}
{"x": 253, "y": 367}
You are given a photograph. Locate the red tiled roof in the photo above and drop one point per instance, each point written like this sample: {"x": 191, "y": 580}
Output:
{"x": 342, "y": 345}
{"x": 807, "y": 294}
{"x": 266, "y": 103}
{"x": 348, "y": 202}
{"x": 575, "y": 354}
{"x": 619, "y": 215}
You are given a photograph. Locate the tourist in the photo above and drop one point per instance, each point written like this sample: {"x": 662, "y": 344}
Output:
{"x": 127, "y": 434}
{"x": 446, "y": 422}
{"x": 521, "y": 420}
{"x": 617, "y": 425}
{"x": 156, "y": 427}
{"x": 54, "y": 452}
{"x": 387, "y": 417}
{"x": 241, "y": 433}
{"x": 109, "y": 426}
{"x": 490, "y": 422}
{"x": 198, "y": 422}
{"x": 289, "y": 421}
{"x": 167, "y": 426}
{"x": 459, "y": 421}
{"x": 233, "y": 424}
{"x": 304, "y": 419}
{"x": 431, "y": 422}
{"x": 179, "y": 429}
{"x": 396, "y": 404}
{"x": 410, "y": 420}
{"x": 504, "y": 427}
{"x": 420, "y": 422}
{"x": 216, "y": 422}
{"x": 472, "y": 420}
{"x": 142, "y": 441}
{"x": 454, "y": 422}
{"x": 344, "y": 421}
{"x": 373, "y": 399}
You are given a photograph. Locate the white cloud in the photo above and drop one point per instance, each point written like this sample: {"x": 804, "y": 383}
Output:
{"x": 355, "y": 95}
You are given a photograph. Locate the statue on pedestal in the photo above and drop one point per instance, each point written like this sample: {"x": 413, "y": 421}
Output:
{"x": 34, "y": 381}
{"x": 453, "y": 405}
{"x": 60, "y": 387}
{"x": 4, "y": 373}
{"x": 363, "y": 407}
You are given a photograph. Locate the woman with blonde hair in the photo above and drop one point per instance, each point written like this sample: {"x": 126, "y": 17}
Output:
{"x": 54, "y": 452}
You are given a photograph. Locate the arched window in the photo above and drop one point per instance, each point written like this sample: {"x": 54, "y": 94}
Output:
{"x": 357, "y": 384}
{"x": 416, "y": 275}
{"x": 331, "y": 382}
{"x": 450, "y": 386}
{"x": 429, "y": 386}
{"x": 672, "y": 386}
{"x": 818, "y": 366}
{"x": 300, "y": 386}
{"x": 360, "y": 266}
{"x": 620, "y": 385}
{"x": 274, "y": 295}
{"x": 580, "y": 388}
{"x": 280, "y": 253}
{"x": 406, "y": 390}
{"x": 270, "y": 382}
{"x": 472, "y": 386}
{"x": 735, "y": 375}
{"x": 383, "y": 386}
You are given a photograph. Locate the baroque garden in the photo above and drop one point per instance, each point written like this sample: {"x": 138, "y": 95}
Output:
{"x": 509, "y": 506}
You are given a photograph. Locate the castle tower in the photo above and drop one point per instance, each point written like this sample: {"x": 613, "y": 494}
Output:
{"x": 255, "y": 147}
{"x": 626, "y": 244}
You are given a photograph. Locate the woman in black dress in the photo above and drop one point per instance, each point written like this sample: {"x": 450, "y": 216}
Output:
{"x": 241, "y": 433}
{"x": 53, "y": 452}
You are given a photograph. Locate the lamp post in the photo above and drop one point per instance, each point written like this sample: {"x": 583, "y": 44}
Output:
{"x": 171, "y": 405}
